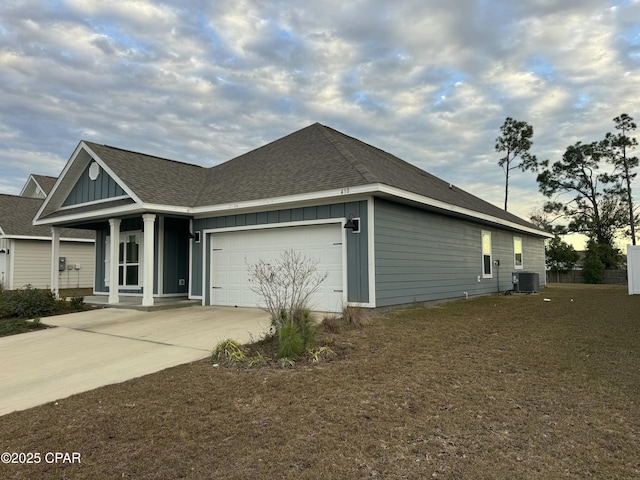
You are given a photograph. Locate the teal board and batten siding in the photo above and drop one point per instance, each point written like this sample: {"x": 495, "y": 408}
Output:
{"x": 87, "y": 190}
{"x": 423, "y": 256}
{"x": 175, "y": 254}
{"x": 357, "y": 243}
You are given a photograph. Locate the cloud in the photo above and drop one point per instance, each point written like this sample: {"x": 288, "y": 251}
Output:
{"x": 205, "y": 81}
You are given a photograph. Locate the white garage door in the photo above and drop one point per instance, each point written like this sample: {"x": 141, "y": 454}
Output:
{"x": 232, "y": 251}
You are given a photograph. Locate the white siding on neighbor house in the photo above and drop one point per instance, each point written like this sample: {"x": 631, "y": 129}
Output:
{"x": 32, "y": 264}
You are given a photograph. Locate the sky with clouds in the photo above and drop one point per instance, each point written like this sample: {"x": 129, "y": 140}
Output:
{"x": 202, "y": 81}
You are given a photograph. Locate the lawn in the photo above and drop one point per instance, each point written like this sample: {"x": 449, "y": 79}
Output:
{"x": 493, "y": 387}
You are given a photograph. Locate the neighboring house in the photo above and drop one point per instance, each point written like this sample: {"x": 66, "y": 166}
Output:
{"x": 38, "y": 186}
{"x": 386, "y": 232}
{"x": 25, "y": 249}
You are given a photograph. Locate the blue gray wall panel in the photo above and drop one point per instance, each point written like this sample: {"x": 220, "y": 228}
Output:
{"x": 175, "y": 254}
{"x": 357, "y": 254}
{"x": 87, "y": 190}
{"x": 423, "y": 256}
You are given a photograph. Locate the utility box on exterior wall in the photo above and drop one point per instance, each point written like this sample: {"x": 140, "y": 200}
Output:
{"x": 62, "y": 264}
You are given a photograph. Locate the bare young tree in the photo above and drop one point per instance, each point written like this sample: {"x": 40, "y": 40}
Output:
{"x": 286, "y": 285}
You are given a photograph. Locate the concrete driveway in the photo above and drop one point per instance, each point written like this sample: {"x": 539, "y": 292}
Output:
{"x": 87, "y": 350}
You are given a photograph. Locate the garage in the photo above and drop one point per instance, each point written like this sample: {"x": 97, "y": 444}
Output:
{"x": 232, "y": 251}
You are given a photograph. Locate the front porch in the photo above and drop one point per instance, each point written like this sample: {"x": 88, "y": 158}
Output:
{"x": 135, "y": 303}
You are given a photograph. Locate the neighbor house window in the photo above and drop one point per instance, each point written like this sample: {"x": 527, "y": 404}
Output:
{"x": 517, "y": 252}
{"x": 129, "y": 259}
{"x": 486, "y": 255}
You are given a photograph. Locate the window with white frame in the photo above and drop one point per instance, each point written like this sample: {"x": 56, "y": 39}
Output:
{"x": 517, "y": 253}
{"x": 487, "y": 263}
{"x": 129, "y": 259}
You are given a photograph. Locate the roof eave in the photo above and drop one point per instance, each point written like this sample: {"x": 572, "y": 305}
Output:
{"x": 369, "y": 189}
{"x": 40, "y": 237}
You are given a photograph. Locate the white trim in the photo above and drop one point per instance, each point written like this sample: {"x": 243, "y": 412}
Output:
{"x": 205, "y": 211}
{"x": 264, "y": 226}
{"x": 114, "y": 260}
{"x": 371, "y": 252}
{"x": 345, "y": 194}
{"x": 111, "y": 173}
{"x": 345, "y": 265}
{"x": 93, "y": 202}
{"x": 190, "y": 266}
{"x": 515, "y": 265}
{"x": 55, "y": 255}
{"x": 12, "y": 263}
{"x": 482, "y": 254}
{"x": 48, "y": 239}
{"x": 205, "y": 252}
{"x": 92, "y": 215}
{"x": 160, "y": 243}
{"x": 148, "y": 242}
{"x": 82, "y": 146}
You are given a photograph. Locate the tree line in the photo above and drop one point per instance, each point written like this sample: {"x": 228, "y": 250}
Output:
{"x": 588, "y": 190}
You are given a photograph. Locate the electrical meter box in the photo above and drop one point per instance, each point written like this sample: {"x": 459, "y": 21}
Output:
{"x": 62, "y": 264}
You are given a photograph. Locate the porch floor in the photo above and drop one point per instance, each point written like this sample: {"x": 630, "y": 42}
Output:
{"x": 135, "y": 303}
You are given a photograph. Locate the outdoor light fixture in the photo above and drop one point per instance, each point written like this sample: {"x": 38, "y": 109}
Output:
{"x": 353, "y": 224}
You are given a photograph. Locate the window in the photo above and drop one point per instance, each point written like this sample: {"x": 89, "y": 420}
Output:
{"x": 486, "y": 255}
{"x": 517, "y": 252}
{"x": 129, "y": 259}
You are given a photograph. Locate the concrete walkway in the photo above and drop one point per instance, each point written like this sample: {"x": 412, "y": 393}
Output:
{"x": 87, "y": 350}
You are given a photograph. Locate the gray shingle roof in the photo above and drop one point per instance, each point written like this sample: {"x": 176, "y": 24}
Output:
{"x": 45, "y": 182}
{"x": 153, "y": 179}
{"x": 16, "y": 214}
{"x": 314, "y": 159}
{"x": 319, "y": 158}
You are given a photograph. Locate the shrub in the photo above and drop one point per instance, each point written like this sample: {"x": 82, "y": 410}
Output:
{"x": 291, "y": 342}
{"x": 228, "y": 351}
{"x": 258, "y": 360}
{"x": 353, "y": 316}
{"x": 76, "y": 303}
{"x": 331, "y": 324}
{"x": 316, "y": 355}
{"x": 27, "y": 303}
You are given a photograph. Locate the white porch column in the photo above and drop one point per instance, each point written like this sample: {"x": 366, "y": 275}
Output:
{"x": 148, "y": 232}
{"x": 114, "y": 260}
{"x": 55, "y": 255}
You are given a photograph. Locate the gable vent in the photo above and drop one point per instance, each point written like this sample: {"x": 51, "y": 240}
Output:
{"x": 94, "y": 170}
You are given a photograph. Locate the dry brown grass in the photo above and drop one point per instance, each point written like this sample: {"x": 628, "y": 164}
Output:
{"x": 494, "y": 387}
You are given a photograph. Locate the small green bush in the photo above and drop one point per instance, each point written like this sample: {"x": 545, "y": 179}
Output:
{"x": 76, "y": 303}
{"x": 27, "y": 303}
{"x": 228, "y": 351}
{"x": 258, "y": 360}
{"x": 291, "y": 342}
